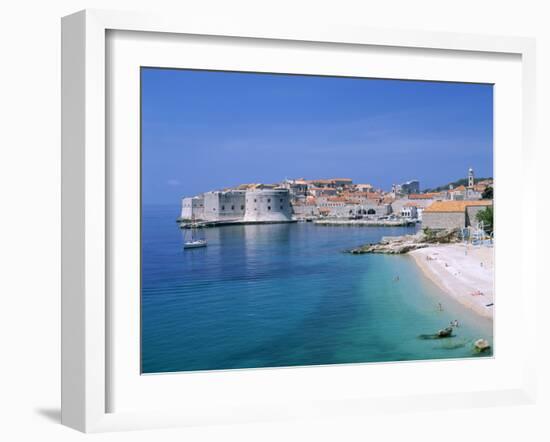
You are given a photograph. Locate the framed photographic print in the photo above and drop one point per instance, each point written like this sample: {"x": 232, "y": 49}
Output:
{"x": 264, "y": 271}
{"x": 263, "y": 223}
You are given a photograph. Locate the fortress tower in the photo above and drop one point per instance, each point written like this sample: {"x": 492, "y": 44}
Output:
{"x": 268, "y": 205}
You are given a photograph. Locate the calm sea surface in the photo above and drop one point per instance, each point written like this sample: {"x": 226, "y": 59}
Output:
{"x": 285, "y": 295}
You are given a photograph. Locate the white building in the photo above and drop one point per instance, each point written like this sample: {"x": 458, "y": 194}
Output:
{"x": 305, "y": 210}
{"x": 409, "y": 211}
{"x": 363, "y": 187}
{"x": 411, "y": 186}
{"x": 342, "y": 208}
{"x": 297, "y": 188}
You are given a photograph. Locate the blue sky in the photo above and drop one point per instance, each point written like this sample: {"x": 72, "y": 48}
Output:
{"x": 204, "y": 130}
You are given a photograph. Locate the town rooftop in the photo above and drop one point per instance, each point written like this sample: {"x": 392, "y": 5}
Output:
{"x": 455, "y": 206}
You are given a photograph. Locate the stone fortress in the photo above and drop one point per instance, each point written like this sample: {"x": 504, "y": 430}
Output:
{"x": 256, "y": 204}
{"x": 338, "y": 199}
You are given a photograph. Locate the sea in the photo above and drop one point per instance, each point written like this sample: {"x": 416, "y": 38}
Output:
{"x": 280, "y": 295}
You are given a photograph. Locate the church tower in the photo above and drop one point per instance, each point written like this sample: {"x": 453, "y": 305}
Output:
{"x": 470, "y": 177}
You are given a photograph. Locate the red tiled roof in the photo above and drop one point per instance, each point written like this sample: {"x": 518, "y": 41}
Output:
{"x": 455, "y": 206}
{"x": 373, "y": 195}
{"x": 329, "y": 180}
{"x": 311, "y": 200}
{"x": 422, "y": 196}
{"x": 339, "y": 199}
{"x": 458, "y": 189}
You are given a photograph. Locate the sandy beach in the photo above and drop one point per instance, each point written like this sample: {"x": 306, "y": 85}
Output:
{"x": 465, "y": 272}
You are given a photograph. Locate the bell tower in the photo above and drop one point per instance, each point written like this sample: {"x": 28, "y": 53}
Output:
{"x": 470, "y": 177}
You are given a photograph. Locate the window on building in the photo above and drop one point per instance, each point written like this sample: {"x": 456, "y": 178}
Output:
{"x": 242, "y": 207}
{"x": 268, "y": 207}
{"x": 269, "y": 200}
{"x": 281, "y": 200}
{"x": 281, "y": 207}
{"x": 223, "y": 207}
{"x": 254, "y": 199}
{"x": 232, "y": 207}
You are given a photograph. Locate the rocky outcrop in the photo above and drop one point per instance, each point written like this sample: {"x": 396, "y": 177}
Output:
{"x": 439, "y": 236}
{"x": 391, "y": 249}
{"x": 395, "y": 245}
{"x": 482, "y": 345}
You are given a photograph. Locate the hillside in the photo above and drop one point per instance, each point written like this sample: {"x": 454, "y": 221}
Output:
{"x": 460, "y": 182}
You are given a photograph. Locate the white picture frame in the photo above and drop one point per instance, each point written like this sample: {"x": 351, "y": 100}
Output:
{"x": 86, "y": 315}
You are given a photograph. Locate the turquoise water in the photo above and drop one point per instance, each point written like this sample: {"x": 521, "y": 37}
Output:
{"x": 285, "y": 295}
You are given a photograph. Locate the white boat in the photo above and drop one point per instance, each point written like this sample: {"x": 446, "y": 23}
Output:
{"x": 193, "y": 244}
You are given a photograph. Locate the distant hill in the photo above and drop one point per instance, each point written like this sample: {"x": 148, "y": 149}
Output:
{"x": 460, "y": 182}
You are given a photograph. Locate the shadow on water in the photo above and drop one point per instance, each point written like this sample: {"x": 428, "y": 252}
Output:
{"x": 454, "y": 344}
{"x": 434, "y": 336}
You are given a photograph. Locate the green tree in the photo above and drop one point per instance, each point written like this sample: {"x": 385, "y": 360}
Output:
{"x": 486, "y": 216}
{"x": 487, "y": 193}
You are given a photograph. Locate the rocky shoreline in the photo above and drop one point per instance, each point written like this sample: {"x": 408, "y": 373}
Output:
{"x": 395, "y": 245}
